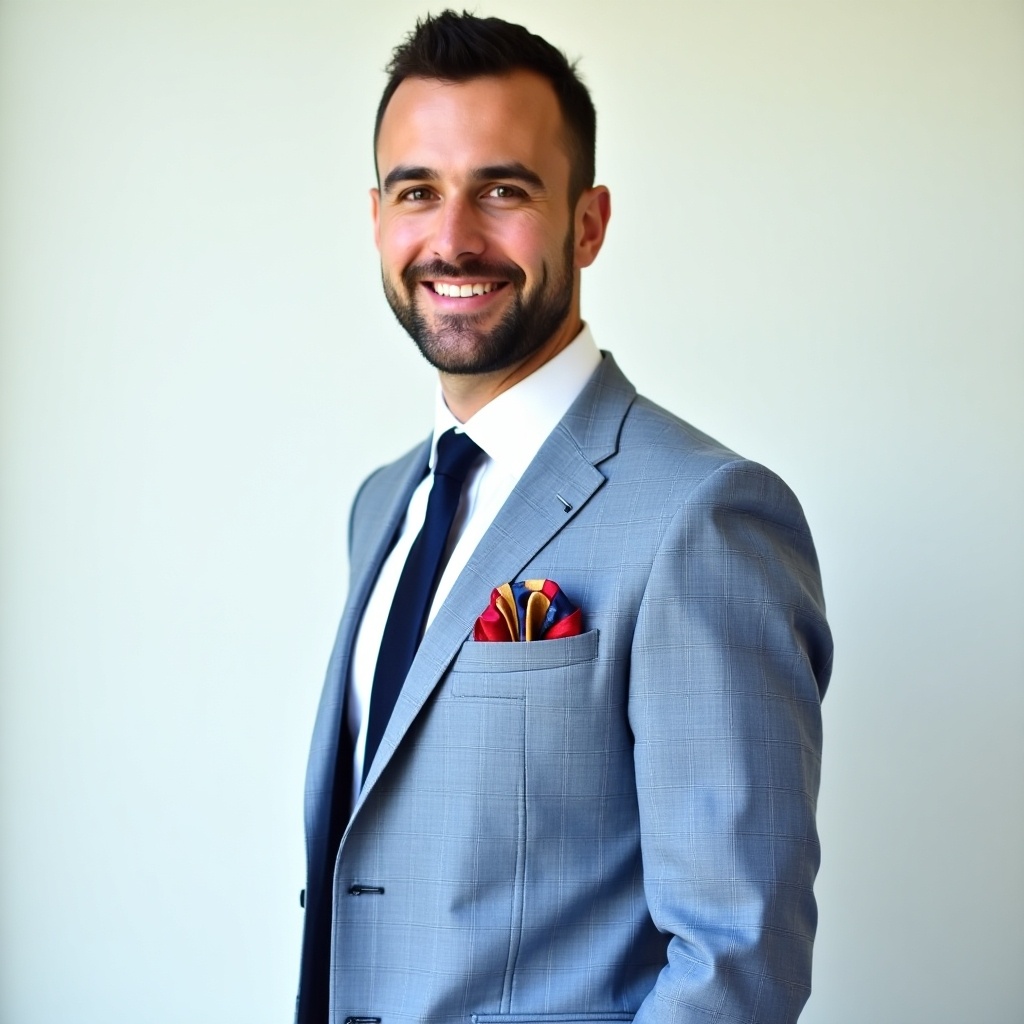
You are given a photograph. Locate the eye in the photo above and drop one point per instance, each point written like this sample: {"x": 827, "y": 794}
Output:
{"x": 505, "y": 192}
{"x": 418, "y": 194}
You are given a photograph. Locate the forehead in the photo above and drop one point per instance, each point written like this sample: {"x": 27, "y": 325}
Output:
{"x": 488, "y": 120}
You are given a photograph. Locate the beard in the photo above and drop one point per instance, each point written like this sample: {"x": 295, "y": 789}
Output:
{"x": 456, "y": 343}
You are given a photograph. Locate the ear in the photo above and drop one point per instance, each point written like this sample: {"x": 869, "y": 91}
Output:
{"x": 593, "y": 211}
{"x": 375, "y": 213}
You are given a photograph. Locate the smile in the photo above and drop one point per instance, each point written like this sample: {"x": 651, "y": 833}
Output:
{"x": 463, "y": 291}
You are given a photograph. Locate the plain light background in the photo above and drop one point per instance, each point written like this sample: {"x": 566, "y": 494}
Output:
{"x": 816, "y": 254}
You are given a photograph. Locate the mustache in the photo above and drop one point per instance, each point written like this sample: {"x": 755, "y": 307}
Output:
{"x": 434, "y": 270}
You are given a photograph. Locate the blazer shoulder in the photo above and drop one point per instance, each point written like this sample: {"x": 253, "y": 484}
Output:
{"x": 669, "y": 447}
{"x": 676, "y": 466}
{"x": 649, "y": 423}
{"x": 646, "y": 449}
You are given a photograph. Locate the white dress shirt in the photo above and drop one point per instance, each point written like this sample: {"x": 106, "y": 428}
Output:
{"x": 533, "y": 408}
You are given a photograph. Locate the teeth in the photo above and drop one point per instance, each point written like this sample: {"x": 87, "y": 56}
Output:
{"x": 463, "y": 290}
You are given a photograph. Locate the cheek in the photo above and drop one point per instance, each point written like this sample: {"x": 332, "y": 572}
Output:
{"x": 401, "y": 242}
{"x": 532, "y": 244}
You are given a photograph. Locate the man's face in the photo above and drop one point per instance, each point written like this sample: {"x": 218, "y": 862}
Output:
{"x": 473, "y": 221}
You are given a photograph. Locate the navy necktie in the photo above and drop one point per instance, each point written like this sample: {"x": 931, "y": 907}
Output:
{"x": 423, "y": 566}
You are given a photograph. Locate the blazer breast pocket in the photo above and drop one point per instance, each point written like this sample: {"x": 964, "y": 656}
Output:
{"x": 510, "y": 670}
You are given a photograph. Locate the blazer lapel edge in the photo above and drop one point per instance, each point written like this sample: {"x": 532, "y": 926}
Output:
{"x": 398, "y": 481}
{"x": 554, "y": 489}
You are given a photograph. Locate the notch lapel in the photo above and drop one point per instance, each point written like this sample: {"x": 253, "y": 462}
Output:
{"x": 564, "y": 468}
{"x": 389, "y": 495}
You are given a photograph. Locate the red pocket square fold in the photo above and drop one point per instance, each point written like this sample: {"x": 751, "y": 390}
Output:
{"x": 528, "y": 610}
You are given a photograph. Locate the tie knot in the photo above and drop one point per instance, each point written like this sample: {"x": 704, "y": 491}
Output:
{"x": 455, "y": 454}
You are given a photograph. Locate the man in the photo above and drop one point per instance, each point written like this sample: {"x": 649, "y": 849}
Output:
{"x": 616, "y": 823}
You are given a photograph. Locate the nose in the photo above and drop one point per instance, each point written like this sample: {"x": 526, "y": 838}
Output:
{"x": 458, "y": 231}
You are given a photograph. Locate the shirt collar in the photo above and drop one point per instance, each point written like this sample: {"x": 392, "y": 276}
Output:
{"x": 512, "y": 427}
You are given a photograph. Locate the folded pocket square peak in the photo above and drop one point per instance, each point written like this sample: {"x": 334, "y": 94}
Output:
{"x": 528, "y": 610}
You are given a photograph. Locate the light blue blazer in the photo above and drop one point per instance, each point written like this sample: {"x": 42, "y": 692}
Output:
{"x": 614, "y": 826}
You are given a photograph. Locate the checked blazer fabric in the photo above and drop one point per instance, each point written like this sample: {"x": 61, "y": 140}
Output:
{"x": 612, "y": 826}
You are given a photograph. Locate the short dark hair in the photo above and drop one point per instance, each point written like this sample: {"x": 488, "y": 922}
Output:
{"x": 458, "y": 47}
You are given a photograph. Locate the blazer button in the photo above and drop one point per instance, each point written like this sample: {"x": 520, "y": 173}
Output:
{"x": 302, "y": 899}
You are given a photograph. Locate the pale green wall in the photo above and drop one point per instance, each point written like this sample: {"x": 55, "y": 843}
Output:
{"x": 817, "y": 254}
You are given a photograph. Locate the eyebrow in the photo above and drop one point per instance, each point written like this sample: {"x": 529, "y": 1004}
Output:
{"x": 514, "y": 171}
{"x": 406, "y": 172}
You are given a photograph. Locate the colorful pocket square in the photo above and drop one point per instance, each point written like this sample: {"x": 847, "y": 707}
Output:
{"x": 528, "y": 610}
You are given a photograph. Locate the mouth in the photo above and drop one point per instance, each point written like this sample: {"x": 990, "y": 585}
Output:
{"x": 464, "y": 289}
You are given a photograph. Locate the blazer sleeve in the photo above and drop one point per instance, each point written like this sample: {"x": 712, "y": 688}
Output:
{"x": 730, "y": 659}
